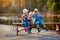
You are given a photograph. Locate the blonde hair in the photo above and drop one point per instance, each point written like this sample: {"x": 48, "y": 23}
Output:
{"x": 30, "y": 13}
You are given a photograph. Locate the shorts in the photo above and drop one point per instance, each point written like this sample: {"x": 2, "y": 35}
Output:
{"x": 25, "y": 24}
{"x": 29, "y": 24}
{"x": 41, "y": 23}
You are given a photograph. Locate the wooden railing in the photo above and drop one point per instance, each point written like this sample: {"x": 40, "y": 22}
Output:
{"x": 56, "y": 23}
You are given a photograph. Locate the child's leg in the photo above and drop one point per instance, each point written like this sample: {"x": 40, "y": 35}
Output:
{"x": 25, "y": 26}
{"x": 30, "y": 27}
{"x": 29, "y": 31}
{"x": 38, "y": 27}
{"x": 59, "y": 29}
{"x": 44, "y": 26}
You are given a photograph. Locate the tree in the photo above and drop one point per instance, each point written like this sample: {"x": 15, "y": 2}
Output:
{"x": 53, "y": 5}
{"x": 13, "y": 10}
{"x": 57, "y": 5}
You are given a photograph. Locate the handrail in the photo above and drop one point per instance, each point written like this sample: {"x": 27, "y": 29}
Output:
{"x": 45, "y": 23}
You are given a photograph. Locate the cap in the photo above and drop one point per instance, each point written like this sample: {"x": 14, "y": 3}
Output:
{"x": 35, "y": 9}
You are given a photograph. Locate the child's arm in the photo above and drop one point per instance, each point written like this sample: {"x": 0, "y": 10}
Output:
{"x": 22, "y": 17}
{"x": 29, "y": 17}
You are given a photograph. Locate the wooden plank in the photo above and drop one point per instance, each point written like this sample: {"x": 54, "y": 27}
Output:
{"x": 45, "y": 23}
{"x": 23, "y": 29}
{"x": 52, "y": 22}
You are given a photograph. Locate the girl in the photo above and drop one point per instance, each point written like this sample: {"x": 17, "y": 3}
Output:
{"x": 29, "y": 22}
{"x": 24, "y": 19}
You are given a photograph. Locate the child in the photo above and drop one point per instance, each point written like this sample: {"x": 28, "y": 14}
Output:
{"x": 58, "y": 26}
{"x": 30, "y": 22}
{"x": 24, "y": 19}
{"x": 39, "y": 20}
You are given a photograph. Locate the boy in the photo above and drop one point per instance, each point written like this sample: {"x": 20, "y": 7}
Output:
{"x": 39, "y": 20}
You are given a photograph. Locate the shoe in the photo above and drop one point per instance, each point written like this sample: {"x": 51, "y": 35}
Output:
{"x": 46, "y": 29}
{"x": 26, "y": 29}
{"x": 39, "y": 30}
{"x": 29, "y": 32}
{"x": 59, "y": 32}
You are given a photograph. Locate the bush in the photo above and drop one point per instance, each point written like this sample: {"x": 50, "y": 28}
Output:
{"x": 51, "y": 27}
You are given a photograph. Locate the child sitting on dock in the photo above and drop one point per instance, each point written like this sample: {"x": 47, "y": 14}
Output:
{"x": 24, "y": 19}
{"x": 39, "y": 20}
{"x": 29, "y": 22}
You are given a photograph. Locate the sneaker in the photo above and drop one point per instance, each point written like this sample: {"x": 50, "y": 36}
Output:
{"x": 26, "y": 29}
{"x": 46, "y": 29}
{"x": 39, "y": 30}
{"x": 29, "y": 32}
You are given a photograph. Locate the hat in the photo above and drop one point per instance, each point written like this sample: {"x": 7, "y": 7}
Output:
{"x": 35, "y": 9}
{"x": 25, "y": 10}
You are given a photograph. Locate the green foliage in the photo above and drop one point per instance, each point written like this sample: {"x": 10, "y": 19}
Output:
{"x": 51, "y": 27}
{"x": 50, "y": 4}
{"x": 57, "y": 5}
{"x": 53, "y": 5}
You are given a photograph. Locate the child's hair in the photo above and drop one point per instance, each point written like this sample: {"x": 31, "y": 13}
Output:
{"x": 30, "y": 13}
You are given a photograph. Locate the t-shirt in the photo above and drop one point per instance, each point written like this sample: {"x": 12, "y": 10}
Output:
{"x": 24, "y": 18}
{"x": 38, "y": 17}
